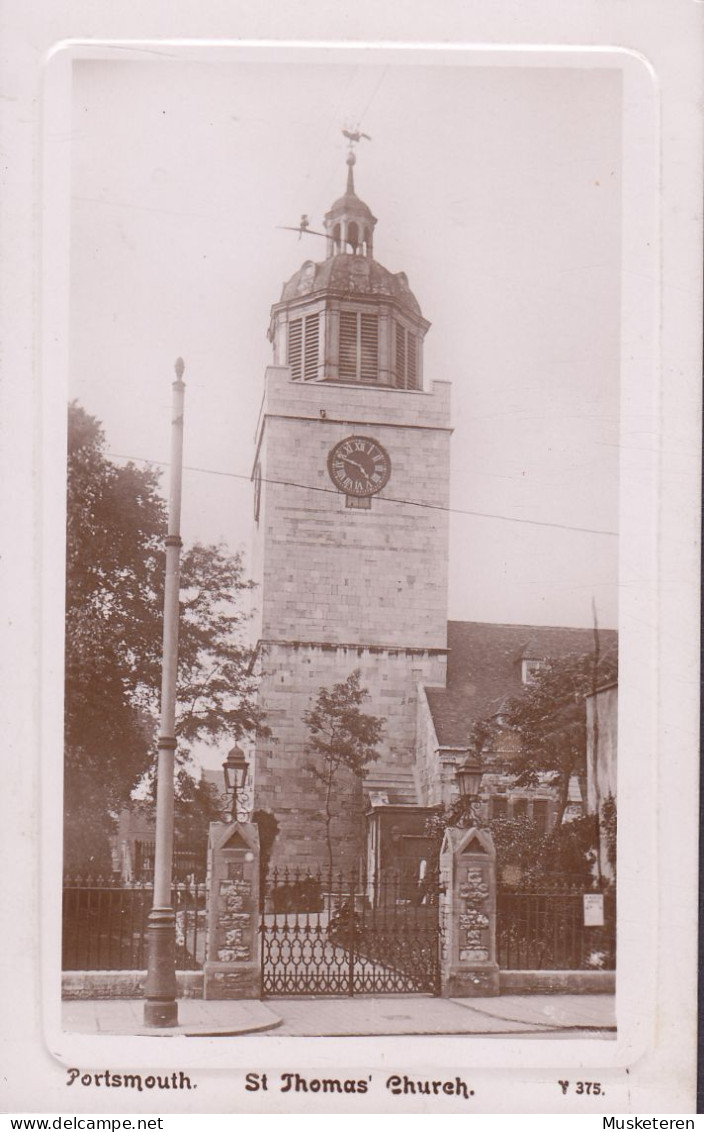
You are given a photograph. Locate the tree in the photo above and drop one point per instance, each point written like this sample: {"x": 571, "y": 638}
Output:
{"x": 549, "y": 719}
{"x": 342, "y": 738}
{"x": 528, "y": 860}
{"x": 197, "y": 803}
{"x": 116, "y": 524}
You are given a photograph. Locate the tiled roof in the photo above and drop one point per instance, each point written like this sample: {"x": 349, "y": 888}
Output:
{"x": 484, "y": 669}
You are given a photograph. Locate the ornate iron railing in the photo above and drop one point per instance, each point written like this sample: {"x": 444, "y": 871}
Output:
{"x": 546, "y": 931}
{"x": 338, "y": 935}
{"x": 104, "y": 925}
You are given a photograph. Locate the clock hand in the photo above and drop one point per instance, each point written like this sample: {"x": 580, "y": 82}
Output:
{"x": 356, "y": 464}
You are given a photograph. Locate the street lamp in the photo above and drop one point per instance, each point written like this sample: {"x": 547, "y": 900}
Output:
{"x": 235, "y": 770}
{"x": 469, "y": 776}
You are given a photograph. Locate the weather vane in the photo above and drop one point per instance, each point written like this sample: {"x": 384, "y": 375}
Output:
{"x": 355, "y": 136}
{"x": 304, "y": 229}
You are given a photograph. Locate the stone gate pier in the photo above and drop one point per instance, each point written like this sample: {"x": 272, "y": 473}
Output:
{"x": 232, "y": 966}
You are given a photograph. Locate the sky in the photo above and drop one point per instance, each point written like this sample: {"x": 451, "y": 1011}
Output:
{"x": 497, "y": 190}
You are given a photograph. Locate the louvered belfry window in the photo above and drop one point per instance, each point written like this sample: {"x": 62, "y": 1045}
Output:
{"x": 295, "y": 342}
{"x": 310, "y": 356}
{"x": 359, "y": 346}
{"x": 369, "y": 347}
{"x": 406, "y": 367}
{"x": 304, "y": 347}
{"x": 411, "y": 362}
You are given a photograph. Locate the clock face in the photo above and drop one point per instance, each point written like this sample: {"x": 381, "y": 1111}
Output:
{"x": 359, "y": 466}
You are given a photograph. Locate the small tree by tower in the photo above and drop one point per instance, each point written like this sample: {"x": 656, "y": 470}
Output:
{"x": 342, "y": 737}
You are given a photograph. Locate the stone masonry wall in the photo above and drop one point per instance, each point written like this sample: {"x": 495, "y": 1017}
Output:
{"x": 285, "y": 783}
{"x": 372, "y": 582}
{"x": 333, "y": 573}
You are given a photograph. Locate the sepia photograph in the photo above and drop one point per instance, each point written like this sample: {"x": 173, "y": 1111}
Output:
{"x": 351, "y": 442}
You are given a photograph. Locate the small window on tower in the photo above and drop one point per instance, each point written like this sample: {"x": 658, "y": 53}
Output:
{"x": 359, "y": 502}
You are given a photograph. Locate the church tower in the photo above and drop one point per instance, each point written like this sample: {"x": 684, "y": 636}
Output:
{"x": 351, "y": 484}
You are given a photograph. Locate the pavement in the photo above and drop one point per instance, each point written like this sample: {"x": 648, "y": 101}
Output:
{"x": 534, "y": 1015}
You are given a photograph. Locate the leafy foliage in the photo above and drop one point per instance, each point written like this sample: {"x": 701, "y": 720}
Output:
{"x": 530, "y": 860}
{"x": 527, "y": 859}
{"x": 197, "y": 803}
{"x": 342, "y": 738}
{"x": 116, "y": 524}
{"x": 216, "y": 694}
{"x": 609, "y": 829}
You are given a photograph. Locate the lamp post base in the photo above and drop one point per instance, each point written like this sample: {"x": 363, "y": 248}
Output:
{"x": 161, "y": 1006}
{"x": 160, "y": 1013}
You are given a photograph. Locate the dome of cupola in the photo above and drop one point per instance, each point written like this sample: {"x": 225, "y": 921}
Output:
{"x": 350, "y": 275}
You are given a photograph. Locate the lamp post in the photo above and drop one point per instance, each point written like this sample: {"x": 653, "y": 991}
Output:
{"x": 469, "y": 779}
{"x": 235, "y": 770}
{"x": 161, "y": 1007}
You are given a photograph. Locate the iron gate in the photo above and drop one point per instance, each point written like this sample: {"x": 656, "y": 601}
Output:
{"x": 324, "y": 935}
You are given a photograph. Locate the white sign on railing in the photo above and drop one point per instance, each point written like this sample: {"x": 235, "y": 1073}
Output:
{"x": 593, "y": 910}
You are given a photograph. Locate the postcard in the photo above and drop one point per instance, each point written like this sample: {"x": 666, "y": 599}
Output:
{"x": 353, "y": 491}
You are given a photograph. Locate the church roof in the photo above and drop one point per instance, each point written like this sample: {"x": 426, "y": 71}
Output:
{"x": 350, "y": 275}
{"x": 484, "y": 669}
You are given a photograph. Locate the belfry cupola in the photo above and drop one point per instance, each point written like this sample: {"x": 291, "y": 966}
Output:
{"x": 349, "y": 224}
{"x": 347, "y": 318}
